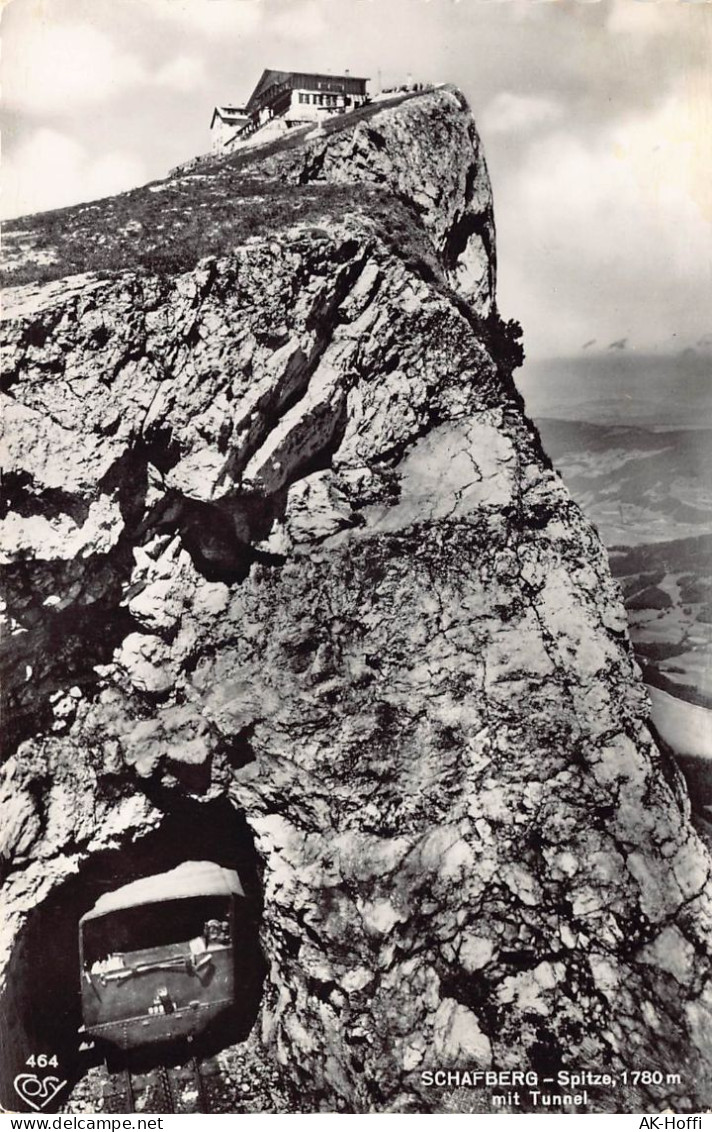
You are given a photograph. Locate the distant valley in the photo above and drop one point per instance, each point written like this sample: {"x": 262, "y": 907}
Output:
{"x": 638, "y": 485}
{"x": 632, "y": 438}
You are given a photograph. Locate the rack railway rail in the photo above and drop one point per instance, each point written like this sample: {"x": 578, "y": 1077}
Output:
{"x": 161, "y": 1089}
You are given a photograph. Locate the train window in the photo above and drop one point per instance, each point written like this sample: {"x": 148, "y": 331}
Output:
{"x": 140, "y": 928}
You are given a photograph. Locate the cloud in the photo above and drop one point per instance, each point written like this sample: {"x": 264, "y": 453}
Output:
{"x": 637, "y": 18}
{"x": 299, "y": 22}
{"x": 54, "y": 69}
{"x": 511, "y": 113}
{"x": 604, "y": 236}
{"x": 238, "y": 19}
{"x": 51, "y": 170}
{"x": 214, "y": 19}
{"x": 184, "y": 73}
{"x": 666, "y": 151}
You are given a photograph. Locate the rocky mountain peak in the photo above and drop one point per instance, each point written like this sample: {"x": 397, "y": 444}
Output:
{"x": 292, "y": 586}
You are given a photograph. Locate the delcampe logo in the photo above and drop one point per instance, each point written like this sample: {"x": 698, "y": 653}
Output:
{"x": 37, "y": 1091}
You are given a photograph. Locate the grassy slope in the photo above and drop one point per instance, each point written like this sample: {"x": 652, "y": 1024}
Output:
{"x": 212, "y": 206}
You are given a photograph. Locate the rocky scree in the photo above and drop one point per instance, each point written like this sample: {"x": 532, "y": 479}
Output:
{"x": 280, "y": 538}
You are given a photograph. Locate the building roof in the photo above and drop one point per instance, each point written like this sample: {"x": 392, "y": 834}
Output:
{"x": 192, "y": 878}
{"x": 270, "y": 78}
{"x": 267, "y": 79}
{"x": 228, "y": 114}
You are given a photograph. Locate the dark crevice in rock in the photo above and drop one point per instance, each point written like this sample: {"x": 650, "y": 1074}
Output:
{"x": 322, "y": 458}
{"x": 157, "y": 446}
{"x": 23, "y": 497}
{"x": 546, "y": 1055}
{"x": 469, "y": 224}
{"x": 57, "y": 653}
{"x": 313, "y": 168}
{"x": 323, "y": 991}
{"x": 376, "y": 137}
{"x": 343, "y": 254}
{"x": 322, "y": 317}
{"x": 239, "y": 751}
{"x": 33, "y": 588}
{"x": 218, "y": 535}
{"x": 286, "y": 392}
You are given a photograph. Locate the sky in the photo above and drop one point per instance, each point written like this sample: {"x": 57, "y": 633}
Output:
{"x": 596, "y": 119}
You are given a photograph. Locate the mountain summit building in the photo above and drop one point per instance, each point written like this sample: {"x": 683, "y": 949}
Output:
{"x": 283, "y": 99}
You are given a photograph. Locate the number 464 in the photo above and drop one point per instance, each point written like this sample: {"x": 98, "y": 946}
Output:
{"x": 41, "y": 1061}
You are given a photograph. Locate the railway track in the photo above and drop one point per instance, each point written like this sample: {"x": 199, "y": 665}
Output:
{"x": 118, "y": 1092}
{"x": 162, "y": 1089}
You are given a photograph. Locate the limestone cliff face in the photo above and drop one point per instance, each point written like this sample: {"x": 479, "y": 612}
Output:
{"x": 283, "y": 542}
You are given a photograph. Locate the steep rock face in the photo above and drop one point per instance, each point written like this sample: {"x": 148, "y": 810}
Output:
{"x": 431, "y": 159}
{"x": 281, "y": 535}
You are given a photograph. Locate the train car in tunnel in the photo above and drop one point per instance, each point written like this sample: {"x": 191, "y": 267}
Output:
{"x": 157, "y": 956}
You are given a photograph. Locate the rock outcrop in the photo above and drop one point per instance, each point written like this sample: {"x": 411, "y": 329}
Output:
{"x": 282, "y": 538}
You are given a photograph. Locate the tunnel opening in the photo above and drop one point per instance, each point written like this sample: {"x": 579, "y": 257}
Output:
{"x": 43, "y": 1012}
